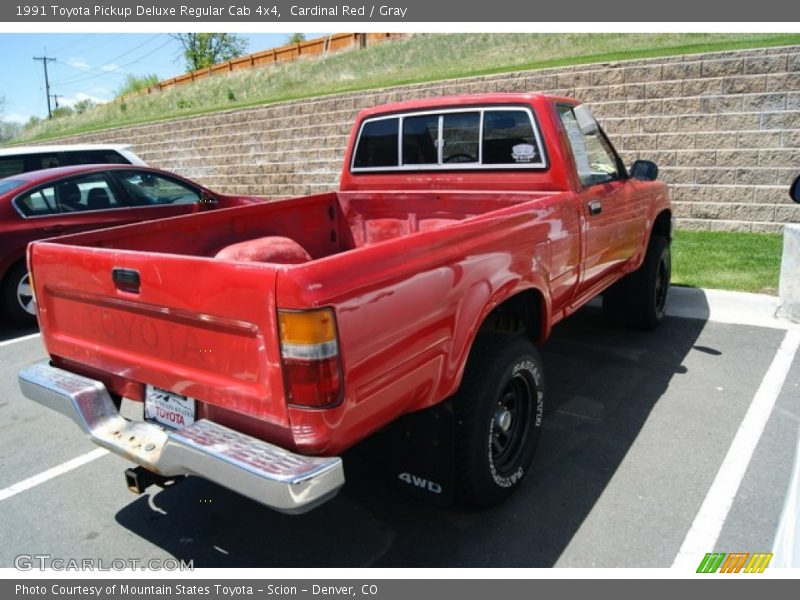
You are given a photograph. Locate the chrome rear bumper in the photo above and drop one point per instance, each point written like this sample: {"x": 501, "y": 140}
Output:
{"x": 282, "y": 480}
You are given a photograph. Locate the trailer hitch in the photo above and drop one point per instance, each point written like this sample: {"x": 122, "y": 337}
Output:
{"x": 138, "y": 479}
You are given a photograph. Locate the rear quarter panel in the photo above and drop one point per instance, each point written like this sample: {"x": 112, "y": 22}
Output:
{"x": 408, "y": 310}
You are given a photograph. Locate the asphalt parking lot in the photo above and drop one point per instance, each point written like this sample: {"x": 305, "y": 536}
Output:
{"x": 638, "y": 427}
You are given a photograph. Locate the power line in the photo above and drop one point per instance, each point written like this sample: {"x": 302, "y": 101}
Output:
{"x": 74, "y": 68}
{"x": 89, "y": 69}
{"x": 116, "y": 71}
{"x": 79, "y": 78}
{"x": 83, "y": 38}
{"x": 45, "y": 60}
{"x": 147, "y": 41}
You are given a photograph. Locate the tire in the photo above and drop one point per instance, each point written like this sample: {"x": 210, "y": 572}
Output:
{"x": 499, "y": 409}
{"x": 640, "y": 297}
{"x": 16, "y": 299}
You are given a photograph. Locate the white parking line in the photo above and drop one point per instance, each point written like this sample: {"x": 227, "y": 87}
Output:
{"x": 704, "y": 532}
{"x": 30, "y": 482}
{"x": 19, "y": 339}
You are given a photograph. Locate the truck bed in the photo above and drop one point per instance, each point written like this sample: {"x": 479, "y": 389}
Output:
{"x": 323, "y": 224}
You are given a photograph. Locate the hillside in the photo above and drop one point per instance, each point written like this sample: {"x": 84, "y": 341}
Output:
{"x": 423, "y": 57}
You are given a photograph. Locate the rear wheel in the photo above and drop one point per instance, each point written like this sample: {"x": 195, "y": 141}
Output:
{"x": 499, "y": 409}
{"x": 640, "y": 297}
{"x": 17, "y": 296}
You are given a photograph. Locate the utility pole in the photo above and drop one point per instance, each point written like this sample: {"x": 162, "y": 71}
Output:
{"x": 45, "y": 60}
{"x": 55, "y": 98}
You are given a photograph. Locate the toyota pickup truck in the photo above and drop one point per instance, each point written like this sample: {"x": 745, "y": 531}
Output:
{"x": 253, "y": 345}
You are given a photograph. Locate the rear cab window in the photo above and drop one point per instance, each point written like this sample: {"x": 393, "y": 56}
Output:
{"x": 490, "y": 137}
{"x": 377, "y": 145}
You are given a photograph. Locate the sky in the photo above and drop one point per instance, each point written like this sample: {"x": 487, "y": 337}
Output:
{"x": 89, "y": 65}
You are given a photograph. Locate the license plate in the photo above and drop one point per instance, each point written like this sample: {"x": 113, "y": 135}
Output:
{"x": 172, "y": 410}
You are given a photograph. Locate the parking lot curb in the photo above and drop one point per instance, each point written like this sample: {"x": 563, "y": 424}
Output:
{"x": 723, "y": 306}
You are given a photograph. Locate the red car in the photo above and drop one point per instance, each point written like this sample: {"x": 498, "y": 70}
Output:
{"x": 51, "y": 202}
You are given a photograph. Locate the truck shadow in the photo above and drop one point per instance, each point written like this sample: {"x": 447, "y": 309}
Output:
{"x": 603, "y": 380}
{"x": 9, "y": 331}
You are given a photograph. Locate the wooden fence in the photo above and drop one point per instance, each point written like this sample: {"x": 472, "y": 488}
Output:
{"x": 286, "y": 53}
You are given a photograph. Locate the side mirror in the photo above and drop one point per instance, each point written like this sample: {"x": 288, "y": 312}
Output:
{"x": 794, "y": 191}
{"x": 586, "y": 120}
{"x": 206, "y": 199}
{"x": 644, "y": 170}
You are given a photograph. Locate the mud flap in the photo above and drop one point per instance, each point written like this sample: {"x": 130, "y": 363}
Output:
{"x": 421, "y": 449}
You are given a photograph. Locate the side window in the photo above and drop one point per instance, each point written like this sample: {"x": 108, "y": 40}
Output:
{"x": 90, "y": 192}
{"x": 508, "y": 138}
{"x": 11, "y": 165}
{"x": 594, "y": 158}
{"x": 91, "y": 157}
{"x": 377, "y": 146}
{"x": 40, "y": 202}
{"x": 48, "y": 161}
{"x": 147, "y": 189}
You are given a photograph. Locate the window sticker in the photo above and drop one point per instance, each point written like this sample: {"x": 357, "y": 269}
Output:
{"x": 523, "y": 153}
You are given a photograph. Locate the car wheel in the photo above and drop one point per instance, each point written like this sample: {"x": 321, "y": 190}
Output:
{"x": 499, "y": 409}
{"x": 18, "y": 303}
{"x": 641, "y": 297}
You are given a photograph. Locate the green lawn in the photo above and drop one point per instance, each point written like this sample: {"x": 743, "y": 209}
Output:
{"x": 422, "y": 58}
{"x": 747, "y": 262}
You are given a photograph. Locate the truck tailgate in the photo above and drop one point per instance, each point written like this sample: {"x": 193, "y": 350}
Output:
{"x": 199, "y": 327}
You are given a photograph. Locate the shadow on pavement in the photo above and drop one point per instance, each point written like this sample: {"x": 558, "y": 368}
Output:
{"x": 603, "y": 380}
{"x": 10, "y": 331}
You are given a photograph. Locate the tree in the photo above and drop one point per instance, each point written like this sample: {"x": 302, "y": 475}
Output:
{"x": 9, "y": 130}
{"x": 63, "y": 111}
{"x": 83, "y": 105}
{"x": 201, "y": 50}
{"x": 136, "y": 83}
{"x": 296, "y": 38}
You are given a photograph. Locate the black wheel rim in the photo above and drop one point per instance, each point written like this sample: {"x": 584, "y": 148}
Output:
{"x": 511, "y": 422}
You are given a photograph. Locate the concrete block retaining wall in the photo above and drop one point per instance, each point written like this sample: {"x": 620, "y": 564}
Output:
{"x": 723, "y": 127}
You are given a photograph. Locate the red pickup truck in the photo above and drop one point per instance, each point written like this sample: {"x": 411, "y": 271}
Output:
{"x": 258, "y": 343}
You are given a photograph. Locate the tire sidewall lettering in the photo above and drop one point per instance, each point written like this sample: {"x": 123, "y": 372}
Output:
{"x": 528, "y": 366}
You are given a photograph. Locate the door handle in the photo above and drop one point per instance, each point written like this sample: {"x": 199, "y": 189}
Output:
{"x": 595, "y": 207}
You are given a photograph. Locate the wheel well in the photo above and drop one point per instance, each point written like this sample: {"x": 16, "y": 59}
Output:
{"x": 11, "y": 266}
{"x": 663, "y": 224}
{"x": 521, "y": 314}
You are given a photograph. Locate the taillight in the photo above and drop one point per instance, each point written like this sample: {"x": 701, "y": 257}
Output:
{"x": 310, "y": 353}
{"x": 28, "y": 256}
